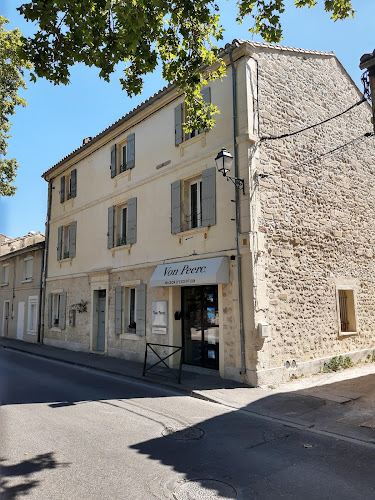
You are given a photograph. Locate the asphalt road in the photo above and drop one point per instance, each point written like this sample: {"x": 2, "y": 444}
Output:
{"x": 71, "y": 433}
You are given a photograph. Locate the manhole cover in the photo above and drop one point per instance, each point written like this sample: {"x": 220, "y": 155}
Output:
{"x": 200, "y": 489}
{"x": 183, "y": 433}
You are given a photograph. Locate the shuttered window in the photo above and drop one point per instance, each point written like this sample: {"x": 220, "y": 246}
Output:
{"x": 130, "y": 309}
{"x": 179, "y": 119}
{"x": 66, "y": 241}
{"x": 57, "y": 310}
{"x": 68, "y": 186}
{"x": 122, "y": 224}
{"x": 123, "y": 156}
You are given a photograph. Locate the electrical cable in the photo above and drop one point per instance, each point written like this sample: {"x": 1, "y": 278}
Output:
{"x": 273, "y": 138}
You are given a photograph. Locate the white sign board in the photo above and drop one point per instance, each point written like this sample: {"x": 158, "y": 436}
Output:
{"x": 159, "y": 330}
{"x": 159, "y": 313}
{"x": 194, "y": 272}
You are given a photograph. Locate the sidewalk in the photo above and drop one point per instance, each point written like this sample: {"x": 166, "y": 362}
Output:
{"x": 340, "y": 404}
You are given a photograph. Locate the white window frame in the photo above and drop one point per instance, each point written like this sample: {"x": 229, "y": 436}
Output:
{"x": 198, "y": 183}
{"x": 32, "y": 323}
{"x": 5, "y": 271}
{"x": 25, "y": 264}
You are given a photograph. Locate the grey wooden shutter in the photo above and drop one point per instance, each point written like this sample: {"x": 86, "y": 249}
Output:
{"x": 50, "y": 311}
{"x": 206, "y": 94}
{"x": 60, "y": 242}
{"x": 111, "y": 227}
{"x": 141, "y": 309}
{"x": 72, "y": 239}
{"x": 62, "y": 189}
{"x": 176, "y": 207}
{"x": 73, "y": 183}
{"x": 209, "y": 197}
{"x": 178, "y": 121}
{"x": 113, "y": 160}
{"x": 118, "y": 309}
{"x": 131, "y": 226}
{"x": 62, "y": 310}
{"x": 130, "y": 151}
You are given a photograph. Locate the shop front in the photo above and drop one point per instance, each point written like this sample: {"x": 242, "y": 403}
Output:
{"x": 196, "y": 307}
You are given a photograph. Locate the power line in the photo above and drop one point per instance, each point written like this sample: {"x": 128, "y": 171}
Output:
{"x": 273, "y": 138}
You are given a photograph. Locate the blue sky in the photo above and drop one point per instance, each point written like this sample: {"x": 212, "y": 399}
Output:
{"x": 58, "y": 118}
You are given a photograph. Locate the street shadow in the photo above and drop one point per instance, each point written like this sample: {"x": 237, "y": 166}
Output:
{"x": 17, "y": 479}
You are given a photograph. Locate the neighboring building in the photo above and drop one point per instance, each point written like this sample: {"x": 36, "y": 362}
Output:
{"x": 21, "y": 261}
{"x": 142, "y": 232}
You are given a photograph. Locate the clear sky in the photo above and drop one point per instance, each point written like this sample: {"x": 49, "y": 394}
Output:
{"x": 58, "y": 118}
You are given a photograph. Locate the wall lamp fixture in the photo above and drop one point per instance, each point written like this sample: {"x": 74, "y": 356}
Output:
{"x": 224, "y": 161}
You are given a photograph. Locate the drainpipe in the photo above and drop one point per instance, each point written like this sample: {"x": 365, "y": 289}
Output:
{"x": 45, "y": 266}
{"x": 40, "y": 296}
{"x": 237, "y": 200}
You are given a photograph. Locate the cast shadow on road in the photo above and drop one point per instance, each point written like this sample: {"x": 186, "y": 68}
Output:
{"x": 18, "y": 479}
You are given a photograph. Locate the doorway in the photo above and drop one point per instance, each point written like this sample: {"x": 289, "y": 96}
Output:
{"x": 200, "y": 317}
{"x": 100, "y": 338}
{"x": 20, "y": 320}
{"x": 5, "y": 318}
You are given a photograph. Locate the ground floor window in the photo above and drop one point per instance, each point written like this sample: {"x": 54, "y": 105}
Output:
{"x": 130, "y": 309}
{"x": 346, "y": 302}
{"x": 32, "y": 314}
{"x": 57, "y": 310}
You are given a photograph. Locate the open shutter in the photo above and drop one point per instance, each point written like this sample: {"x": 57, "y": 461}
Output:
{"x": 209, "y": 197}
{"x": 118, "y": 309}
{"x": 73, "y": 183}
{"x": 206, "y": 94}
{"x": 176, "y": 207}
{"x": 62, "y": 310}
{"x": 178, "y": 121}
{"x": 72, "y": 239}
{"x": 130, "y": 151}
{"x": 141, "y": 309}
{"x": 59, "y": 242}
{"x": 62, "y": 189}
{"x": 111, "y": 227}
{"x": 50, "y": 311}
{"x": 113, "y": 160}
{"x": 131, "y": 226}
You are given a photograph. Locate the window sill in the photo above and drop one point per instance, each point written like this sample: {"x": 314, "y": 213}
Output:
{"x": 129, "y": 336}
{"x": 31, "y": 332}
{"x": 69, "y": 203}
{"x": 188, "y": 142}
{"x": 4, "y": 284}
{"x": 68, "y": 259}
{"x": 55, "y": 329}
{"x": 121, "y": 247}
{"x": 123, "y": 175}
{"x": 346, "y": 334}
{"x": 28, "y": 280}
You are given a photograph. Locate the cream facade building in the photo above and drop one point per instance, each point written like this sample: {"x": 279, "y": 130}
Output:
{"x": 142, "y": 240}
{"x": 21, "y": 262}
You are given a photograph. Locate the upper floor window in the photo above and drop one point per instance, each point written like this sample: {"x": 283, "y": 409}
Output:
{"x": 123, "y": 156}
{"x": 193, "y": 202}
{"x": 68, "y": 186}
{"x": 28, "y": 269}
{"x": 180, "y": 118}
{"x": 5, "y": 275}
{"x": 122, "y": 224}
{"x": 66, "y": 241}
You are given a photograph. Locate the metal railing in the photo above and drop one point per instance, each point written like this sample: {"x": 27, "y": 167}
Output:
{"x": 162, "y": 359}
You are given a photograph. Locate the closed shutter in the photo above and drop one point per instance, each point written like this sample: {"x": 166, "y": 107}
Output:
{"x": 60, "y": 242}
{"x": 209, "y": 197}
{"x": 111, "y": 227}
{"x": 62, "y": 189}
{"x": 178, "y": 121}
{"x": 141, "y": 309}
{"x": 130, "y": 151}
{"x": 50, "y": 309}
{"x": 73, "y": 183}
{"x": 62, "y": 310}
{"x": 131, "y": 227}
{"x": 176, "y": 207}
{"x": 118, "y": 309}
{"x": 206, "y": 94}
{"x": 113, "y": 160}
{"x": 72, "y": 239}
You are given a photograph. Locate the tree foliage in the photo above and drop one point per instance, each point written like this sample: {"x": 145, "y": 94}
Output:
{"x": 12, "y": 68}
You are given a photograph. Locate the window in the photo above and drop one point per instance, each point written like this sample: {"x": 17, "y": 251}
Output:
{"x": 57, "y": 310}
{"x": 32, "y": 315}
{"x": 123, "y": 156}
{"x": 66, "y": 241}
{"x": 122, "y": 224}
{"x": 193, "y": 202}
{"x": 180, "y": 117}
{"x": 346, "y": 303}
{"x": 28, "y": 269}
{"x": 130, "y": 309}
{"x": 5, "y": 275}
{"x": 68, "y": 186}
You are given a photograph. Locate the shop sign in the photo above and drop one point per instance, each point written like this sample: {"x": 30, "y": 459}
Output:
{"x": 194, "y": 272}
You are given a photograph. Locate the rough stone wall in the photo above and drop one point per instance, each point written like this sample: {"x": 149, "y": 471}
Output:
{"x": 316, "y": 213}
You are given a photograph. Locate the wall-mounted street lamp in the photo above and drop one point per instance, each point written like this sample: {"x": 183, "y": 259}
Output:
{"x": 367, "y": 62}
{"x": 224, "y": 161}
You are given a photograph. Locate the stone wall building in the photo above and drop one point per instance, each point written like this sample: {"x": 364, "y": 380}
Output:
{"x": 21, "y": 262}
{"x": 142, "y": 232}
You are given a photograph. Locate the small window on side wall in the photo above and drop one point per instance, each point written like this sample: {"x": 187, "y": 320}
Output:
{"x": 347, "y": 310}
{"x": 123, "y": 156}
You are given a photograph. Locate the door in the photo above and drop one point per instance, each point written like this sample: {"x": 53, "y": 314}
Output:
{"x": 100, "y": 339}
{"x": 5, "y": 318}
{"x": 201, "y": 326}
{"x": 20, "y": 320}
